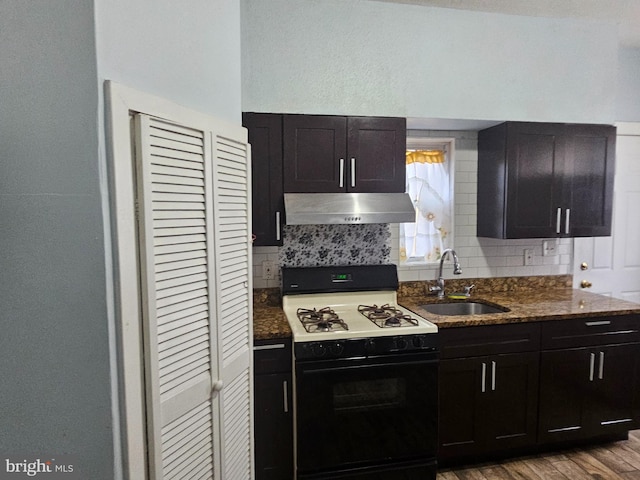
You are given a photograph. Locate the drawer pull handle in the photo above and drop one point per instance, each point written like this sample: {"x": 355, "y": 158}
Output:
{"x": 558, "y": 219}
{"x": 591, "y": 366}
{"x": 601, "y": 366}
{"x": 598, "y": 324}
{"x": 566, "y": 221}
{"x": 613, "y": 422}
{"x": 341, "y": 182}
{"x": 278, "y": 226}
{"x": 275, "y": 346}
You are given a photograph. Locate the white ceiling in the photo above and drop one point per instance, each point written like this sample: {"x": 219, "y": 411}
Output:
{"x": 626, "y": 13}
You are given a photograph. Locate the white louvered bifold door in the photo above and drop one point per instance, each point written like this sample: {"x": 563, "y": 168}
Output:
{"x": 175, "y": 223}
{"x": 233, "y": 301}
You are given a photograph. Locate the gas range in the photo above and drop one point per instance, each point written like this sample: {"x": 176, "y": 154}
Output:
{"x": 334, "y": 316}
{"x": 351, "y": 310}
{"x": 360, "y": 361}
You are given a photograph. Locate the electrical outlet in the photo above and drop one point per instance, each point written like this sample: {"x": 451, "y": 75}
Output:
{"x": 268, "y": 270}
{"x": 549, "y": 248}
{"x": 528, "y": 256}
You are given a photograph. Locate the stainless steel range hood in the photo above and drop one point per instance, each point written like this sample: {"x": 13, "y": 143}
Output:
{"x": 347, "y": 208}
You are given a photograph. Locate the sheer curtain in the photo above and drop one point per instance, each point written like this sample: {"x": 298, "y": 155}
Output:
{"x": 429, "y": 186}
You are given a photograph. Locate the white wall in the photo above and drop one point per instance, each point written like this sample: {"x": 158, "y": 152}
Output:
{"x": 372, "y": 58}
{"x": 628, "y": 86}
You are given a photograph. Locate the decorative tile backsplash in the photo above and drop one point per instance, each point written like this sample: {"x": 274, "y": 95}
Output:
{"x": 320, "y": 245}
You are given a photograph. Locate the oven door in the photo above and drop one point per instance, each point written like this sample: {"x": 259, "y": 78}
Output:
{"x": 357, "y": 413}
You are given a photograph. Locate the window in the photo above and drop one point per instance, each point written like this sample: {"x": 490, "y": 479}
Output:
{"x": 430, "y": 186}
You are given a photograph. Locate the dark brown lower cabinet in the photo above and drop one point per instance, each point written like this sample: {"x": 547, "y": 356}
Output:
{"x": 488, "y": 401}
{"x": 273, "y": 415}
{"x": 487, "y": 404}
{"x": 524, "y": 387}
{"x": 588, "y": 392}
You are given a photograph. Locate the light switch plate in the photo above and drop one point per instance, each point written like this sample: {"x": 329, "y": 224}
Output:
{"x": 528, "y": 256}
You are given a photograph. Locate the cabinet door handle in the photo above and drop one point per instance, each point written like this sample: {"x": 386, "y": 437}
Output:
{"x": 278, "y": 226}
{"x": 601, "y": 366}
{"x": 558, "y": 219}
{"x": 591, "y": 366}
{"x": 493, "y": 376}
{"x": 341, "y": 173}
{"x": 566, "y": 221}
{"x": 353, "y": 172}
{"x": 484, "y": 377}
{"x": 285, "y": 396}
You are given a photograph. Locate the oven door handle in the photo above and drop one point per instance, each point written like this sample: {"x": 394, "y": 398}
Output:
{"x": 331, "y": 367}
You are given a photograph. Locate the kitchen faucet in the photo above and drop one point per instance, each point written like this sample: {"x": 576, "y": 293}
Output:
{"x": 439, "y": 287}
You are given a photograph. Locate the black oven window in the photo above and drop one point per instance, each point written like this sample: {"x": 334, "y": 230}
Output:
{"x": 367, "y": 395}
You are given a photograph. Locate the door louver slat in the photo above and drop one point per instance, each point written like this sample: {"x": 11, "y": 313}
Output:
{"x": 175, "y": 432}
{"x": 235, "y": 428}
{"x": 187, "y": 316}
{"x": 177, "y": 273}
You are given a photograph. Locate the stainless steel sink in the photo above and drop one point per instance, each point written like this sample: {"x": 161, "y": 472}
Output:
{"x": 462, "y": 308}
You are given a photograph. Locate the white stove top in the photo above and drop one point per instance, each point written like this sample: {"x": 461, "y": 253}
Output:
{"x": 345, "y": 305}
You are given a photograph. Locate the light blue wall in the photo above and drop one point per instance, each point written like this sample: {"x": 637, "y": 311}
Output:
{"x": 185, "y": 52}
{"x": 372, "y": 58}
{"x": 54, "y": 374}
{"x": 57, "y": 341}
{"x": 628, "y": 89}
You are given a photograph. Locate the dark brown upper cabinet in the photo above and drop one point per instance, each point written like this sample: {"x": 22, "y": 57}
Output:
{"x": 325, "y": 154}
{"x": 545, "y": 180}
{"x": 265, "y": 137}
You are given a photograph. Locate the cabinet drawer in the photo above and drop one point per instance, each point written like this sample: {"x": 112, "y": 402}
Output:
{"x": 272, "y": 356}
{"x": 489, "y": 340}
{"x": 585, "y": 332}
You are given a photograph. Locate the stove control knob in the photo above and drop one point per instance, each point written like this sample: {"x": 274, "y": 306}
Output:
{"x": 336, "y": 348}
{"x": 370, "y": 345}
{"x": 418, "y": 341}
{"x": 401, "y": 343}
{"x": 318, "y": 350}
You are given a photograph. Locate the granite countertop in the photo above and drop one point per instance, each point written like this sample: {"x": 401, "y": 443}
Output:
{"x": 525, "y": 306}
{"x": 269, "y": 323}
{"x": 529, "y": 299}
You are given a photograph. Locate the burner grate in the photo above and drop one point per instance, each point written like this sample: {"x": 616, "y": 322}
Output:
{"x": 387, "y": 316}
{"x": 323, "y": 320}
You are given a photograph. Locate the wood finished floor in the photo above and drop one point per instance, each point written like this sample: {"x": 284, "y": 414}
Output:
{"x": 609, "y": 461}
